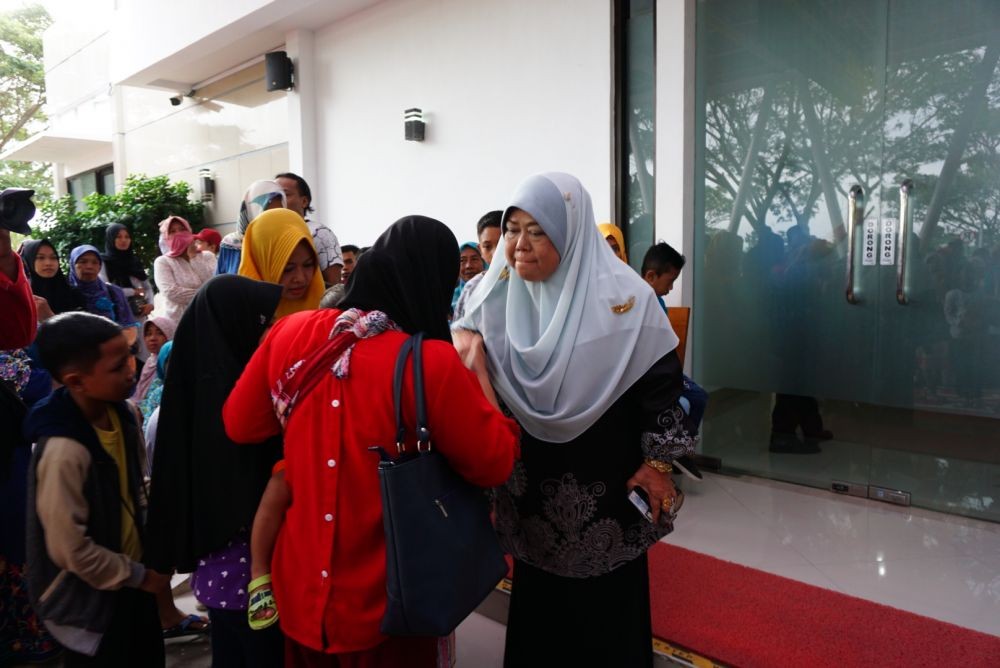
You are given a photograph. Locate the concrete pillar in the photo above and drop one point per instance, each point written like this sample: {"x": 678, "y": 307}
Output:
{"x": 675, "y": 140}
{"x": 118, "y": 137}
{"x": 302, "y": 140}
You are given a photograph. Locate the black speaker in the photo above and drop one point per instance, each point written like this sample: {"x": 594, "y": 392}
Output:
{"x": 279, "y": 71}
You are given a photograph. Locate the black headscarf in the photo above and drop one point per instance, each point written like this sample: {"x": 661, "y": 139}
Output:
{"x": 121, "y": 265}
{"x": 410, "y": 274}
{"x": 205, "y": 488}
{"x": 57, "y": 291}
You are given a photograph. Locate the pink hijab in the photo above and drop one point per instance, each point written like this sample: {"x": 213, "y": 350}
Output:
{"x": 167, "y": 326}
{"x": 168, "y": 246}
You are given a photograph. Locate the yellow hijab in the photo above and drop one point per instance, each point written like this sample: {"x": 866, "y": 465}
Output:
{"x": 267, "y": 244}
{"x": 610, "y": 230}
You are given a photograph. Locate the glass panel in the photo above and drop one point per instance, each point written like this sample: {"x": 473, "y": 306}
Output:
{"x": 639, "y": 135}
{"x": 108, "y": 182}
{"x": 939, "y": 366}
{"x": 790, "y": 114}
{"x": 82, "y": 185}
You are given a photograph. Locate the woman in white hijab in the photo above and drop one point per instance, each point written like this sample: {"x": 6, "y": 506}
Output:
{"x": 581, "y": 354}
{"x": 259, "y": 197}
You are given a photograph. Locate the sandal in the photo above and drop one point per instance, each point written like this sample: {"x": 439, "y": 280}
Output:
{"x": 262, "y": 611}
{"x": 192, "y": 625}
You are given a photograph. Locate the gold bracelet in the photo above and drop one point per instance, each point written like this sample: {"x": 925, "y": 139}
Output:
{"x": 662, "y": 467}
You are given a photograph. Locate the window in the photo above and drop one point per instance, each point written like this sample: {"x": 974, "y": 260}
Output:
{"x": 100, "y": 180}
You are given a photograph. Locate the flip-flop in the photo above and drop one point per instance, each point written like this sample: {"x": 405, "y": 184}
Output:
{"x": 261, "y": 598}
{"x": 192, "y": 625}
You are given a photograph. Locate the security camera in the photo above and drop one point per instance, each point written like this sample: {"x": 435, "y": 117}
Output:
{"x": 176, "y": 100}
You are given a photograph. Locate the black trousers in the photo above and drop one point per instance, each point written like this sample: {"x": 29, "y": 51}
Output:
{"x": 236, "y": 645}
{"x": 792, "y": 411}
{"x": 599, "y": 621}
{"x": 134, "y": 637}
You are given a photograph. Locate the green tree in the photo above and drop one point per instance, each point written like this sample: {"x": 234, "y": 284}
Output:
{"x": 22, "y": 93}
{"x": 141, "y": 204}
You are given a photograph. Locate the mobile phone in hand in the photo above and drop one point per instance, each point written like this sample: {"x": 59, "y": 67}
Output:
{"x": 640, "y": 500}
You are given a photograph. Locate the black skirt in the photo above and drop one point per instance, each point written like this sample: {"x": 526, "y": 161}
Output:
{"x": 599, "y": 621}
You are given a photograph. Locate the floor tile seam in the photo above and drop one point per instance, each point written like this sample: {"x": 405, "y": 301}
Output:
{"x": 927, "y": 514}
{"x": 879, "y": 509}
{"x": 768, "y": 524}
{"x": 895, "y": 598}
{"x": 956, "y": 614}
{"x": 894, "y": 560}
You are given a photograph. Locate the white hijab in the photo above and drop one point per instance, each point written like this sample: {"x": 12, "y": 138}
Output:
{"x": 563, "y": 350}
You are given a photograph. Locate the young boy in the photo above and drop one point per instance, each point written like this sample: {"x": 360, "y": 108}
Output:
{"x": 86, "y": 498}
{"x": 661, "y": 266}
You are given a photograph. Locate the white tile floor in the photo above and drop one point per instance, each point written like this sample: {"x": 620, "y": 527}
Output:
{"x": 941, "y": 566}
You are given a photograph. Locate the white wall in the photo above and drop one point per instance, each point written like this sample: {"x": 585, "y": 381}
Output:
{"x": 76, "y": 55}
{"x": 146, "y": 33}
{"x": 234, "y": 127}
{"x": 509, "y": 88}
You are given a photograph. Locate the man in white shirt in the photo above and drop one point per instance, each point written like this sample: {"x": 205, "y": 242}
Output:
{"x": 299, "y": 199}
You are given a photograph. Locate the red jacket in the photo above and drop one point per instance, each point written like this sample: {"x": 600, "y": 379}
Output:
{"x": 329, "y": 562}
{"x": 20, "y": 319}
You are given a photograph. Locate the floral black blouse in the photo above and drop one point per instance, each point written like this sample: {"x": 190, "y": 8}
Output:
{"x": 565, "y": 507}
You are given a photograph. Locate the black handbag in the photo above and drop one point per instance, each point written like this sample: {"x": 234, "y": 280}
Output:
{"x": 442, "y": 554}
{"x": 136, "y": 304}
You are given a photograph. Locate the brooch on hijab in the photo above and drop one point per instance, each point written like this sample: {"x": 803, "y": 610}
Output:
{"x": 504, "y": 274}
{"x": 618, "y": 309}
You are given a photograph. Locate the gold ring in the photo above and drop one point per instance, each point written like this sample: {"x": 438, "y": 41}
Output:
{"x": 666, "y": 504}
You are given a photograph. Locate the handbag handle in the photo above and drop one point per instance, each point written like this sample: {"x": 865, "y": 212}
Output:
{"x": 414, "y": 343}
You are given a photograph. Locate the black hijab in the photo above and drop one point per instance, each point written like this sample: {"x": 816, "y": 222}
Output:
{"x": 121, "y": 265}
{"x": 410, "y": 274}
{"x": 205, "y": 488}
{"x": 57, "y": 291}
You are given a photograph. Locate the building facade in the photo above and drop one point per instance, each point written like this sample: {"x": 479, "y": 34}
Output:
{"x": 831, "y": 169}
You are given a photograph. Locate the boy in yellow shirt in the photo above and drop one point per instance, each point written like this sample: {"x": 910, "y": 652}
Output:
{"x": 86, "y": 501}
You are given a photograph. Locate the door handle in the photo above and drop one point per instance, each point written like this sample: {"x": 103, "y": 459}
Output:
{"x": 855, "y": 216}
{"x": 905, "y": 227}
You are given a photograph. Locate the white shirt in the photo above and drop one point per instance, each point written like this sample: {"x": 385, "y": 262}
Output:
{"x": 327, "y": 247}
{"x": 178, "y": 281}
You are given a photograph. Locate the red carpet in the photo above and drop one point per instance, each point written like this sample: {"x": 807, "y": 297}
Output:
{"x": 740, "y": 616}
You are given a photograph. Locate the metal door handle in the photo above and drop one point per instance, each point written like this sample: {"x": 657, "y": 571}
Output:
{"x": 905, "y": 226}
{"x": 855, "y": 216}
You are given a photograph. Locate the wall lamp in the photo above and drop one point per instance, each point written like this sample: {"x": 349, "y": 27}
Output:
{"x": 413, "y": 124}
{"x": 207, "y": 183}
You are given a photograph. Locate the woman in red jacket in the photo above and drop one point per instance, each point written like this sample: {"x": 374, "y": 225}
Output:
{"x": 329, "y": 562}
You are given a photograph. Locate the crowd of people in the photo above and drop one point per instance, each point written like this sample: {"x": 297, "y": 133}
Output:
{"x": 158, "y": 439}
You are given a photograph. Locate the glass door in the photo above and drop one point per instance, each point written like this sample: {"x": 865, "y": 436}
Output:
{"x": 790, "y": 110}
{"x": 937, "y": 433}
{"x": 847, "y": 287}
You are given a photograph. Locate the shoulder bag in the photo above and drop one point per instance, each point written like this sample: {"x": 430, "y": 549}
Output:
{"x": 442, "y": 554}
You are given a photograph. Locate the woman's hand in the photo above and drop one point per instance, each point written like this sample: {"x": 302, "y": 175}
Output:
{"x": 658, "y": 486}
{"x": 472, "y": 350}
{"x": 465, "y": 340}
{"x": 44, "y": 310}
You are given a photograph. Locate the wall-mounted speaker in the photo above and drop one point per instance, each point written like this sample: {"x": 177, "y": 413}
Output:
{"x": 279, "y": 71}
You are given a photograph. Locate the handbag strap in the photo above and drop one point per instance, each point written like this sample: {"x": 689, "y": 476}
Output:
{"x": 414, "y": 344}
